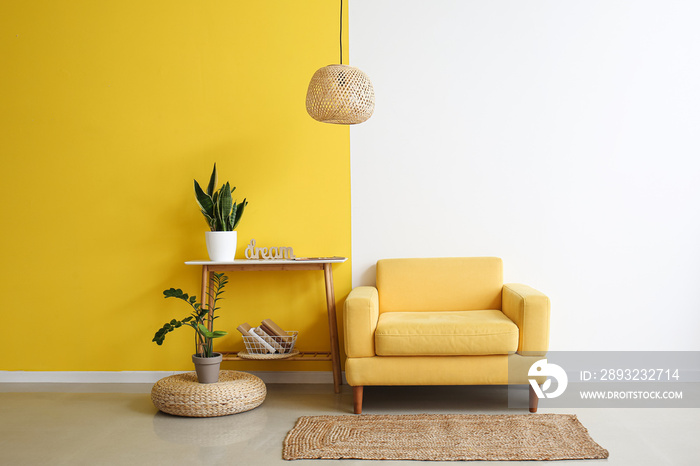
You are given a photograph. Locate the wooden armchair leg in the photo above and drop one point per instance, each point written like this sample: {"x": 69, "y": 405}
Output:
{"x": 357, "y": 399}
{"x": 533, "y": 400}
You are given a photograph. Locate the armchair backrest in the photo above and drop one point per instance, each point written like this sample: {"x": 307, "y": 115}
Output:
{"x": 440, "y": 284}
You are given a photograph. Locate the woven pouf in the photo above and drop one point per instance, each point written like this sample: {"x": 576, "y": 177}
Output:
{"x": 182, "y": 395}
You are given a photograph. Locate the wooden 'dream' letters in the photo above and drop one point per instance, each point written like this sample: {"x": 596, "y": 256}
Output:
{"x": 275, "y": 252}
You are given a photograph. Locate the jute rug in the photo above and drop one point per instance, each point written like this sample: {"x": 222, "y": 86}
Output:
{"x": 441, "y": 437}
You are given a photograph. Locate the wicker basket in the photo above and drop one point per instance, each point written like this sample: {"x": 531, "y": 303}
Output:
{"x": 281, "y": 345}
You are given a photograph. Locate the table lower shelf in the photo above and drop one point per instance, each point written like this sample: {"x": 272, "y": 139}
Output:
{"x": 305, "y": 356}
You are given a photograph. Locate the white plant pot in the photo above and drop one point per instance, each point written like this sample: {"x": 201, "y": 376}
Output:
{"x": 221, "y": 245}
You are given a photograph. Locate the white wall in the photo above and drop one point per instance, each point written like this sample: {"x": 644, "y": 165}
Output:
{"x": 563, "y": 137}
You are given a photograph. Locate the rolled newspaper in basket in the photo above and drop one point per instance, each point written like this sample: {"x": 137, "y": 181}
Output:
{"x": 259, "y": 342}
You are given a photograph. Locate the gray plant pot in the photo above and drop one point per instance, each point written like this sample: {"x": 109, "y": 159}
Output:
{"x": 207, "y": 368}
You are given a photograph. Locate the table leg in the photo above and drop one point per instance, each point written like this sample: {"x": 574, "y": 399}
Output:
{"x": 332, "y": 326}
{"x": 208, "y": 292}
{"x": 205, "y": 282}
{"x": 204, "y": 299}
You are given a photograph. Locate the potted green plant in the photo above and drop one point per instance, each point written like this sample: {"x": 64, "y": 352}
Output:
{"x": 222, "y": 214}
{"x": 206, "y": 361}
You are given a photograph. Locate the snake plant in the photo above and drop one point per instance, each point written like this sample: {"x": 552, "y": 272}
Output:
{"x": 218, "y": 207}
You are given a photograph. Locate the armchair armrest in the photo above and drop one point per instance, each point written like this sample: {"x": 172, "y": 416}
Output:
{"x": 360, "y": 316}
{"x": 529, "y": 310}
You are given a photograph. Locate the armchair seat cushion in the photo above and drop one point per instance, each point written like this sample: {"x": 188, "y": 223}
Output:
{"x": 461, "y": 333}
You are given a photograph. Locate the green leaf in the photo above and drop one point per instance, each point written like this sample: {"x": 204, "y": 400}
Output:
{"x": 205, "y": 201}
{"x": 230, "y": 218}
{"x": 210, "y": 220}
{"x": 175, "y": 293}
{"x": 212, "y": 182}
{"x": 224, "y": 205}
{"x": 219, "y": 333}
{"x": 215, "y": 211}
{"x": 238, "y": 213}
{"x": 204, "y": 331}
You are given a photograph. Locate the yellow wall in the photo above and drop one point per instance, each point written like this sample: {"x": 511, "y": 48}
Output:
{"x": 108, "y": 111}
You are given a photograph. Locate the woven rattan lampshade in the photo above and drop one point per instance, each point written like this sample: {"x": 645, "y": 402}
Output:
{"x": 340, "y": 94}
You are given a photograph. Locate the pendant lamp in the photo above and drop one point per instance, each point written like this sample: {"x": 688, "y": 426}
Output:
{"x": 340, "y": 94}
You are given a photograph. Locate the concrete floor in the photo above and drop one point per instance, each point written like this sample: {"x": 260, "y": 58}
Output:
{"x": 116, "y": 424}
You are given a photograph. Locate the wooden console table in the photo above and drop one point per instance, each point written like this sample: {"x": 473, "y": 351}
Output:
{"x": 325, "y": 264}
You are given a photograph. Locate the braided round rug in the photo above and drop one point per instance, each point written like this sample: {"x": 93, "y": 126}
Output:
{"x": 441, "y": 437}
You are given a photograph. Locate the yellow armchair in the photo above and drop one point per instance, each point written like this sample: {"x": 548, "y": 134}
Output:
{"x": 442, "y": 321}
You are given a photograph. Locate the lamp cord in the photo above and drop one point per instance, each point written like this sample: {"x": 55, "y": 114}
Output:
{"x": 341, "y": 32}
